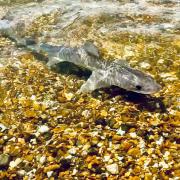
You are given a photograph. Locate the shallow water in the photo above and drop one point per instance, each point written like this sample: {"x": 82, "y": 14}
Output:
{"x": 111, "y": 133}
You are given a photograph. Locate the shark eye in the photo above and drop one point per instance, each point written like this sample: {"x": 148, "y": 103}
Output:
{"x": 138, "y": 87}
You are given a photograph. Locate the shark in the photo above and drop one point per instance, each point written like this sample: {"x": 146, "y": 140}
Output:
{"x": 104, "y": 73}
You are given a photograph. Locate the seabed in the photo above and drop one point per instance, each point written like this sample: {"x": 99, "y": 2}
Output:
{"x": 49, "y": 131}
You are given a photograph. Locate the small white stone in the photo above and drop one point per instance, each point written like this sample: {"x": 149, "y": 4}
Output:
{"x": 21, "y": 172}
{"x": 133, "y": 135}
{"x": 169, "y": 76}
{"x": 2, "y": 127}
{"x": 73, "y": 150}
{"x": 107, "y": 158}
{"x": 17, "y": 64}
{"x": 128, "y": 51}
{"x": 68, "y": 96}
{"x": 120, "y": 158}
{"x": 103, "y": 30}
{"x": 33, "y": 141}
{"x": 86, "y": 147}
{"x": 142, "y": 144}
{"x": 42, "y": 159}
{"x": 13, "y": 139}
{"x": 146, "y": 163}
{"x": 166, "y": 155}
{"x": 43, "y": 129}
{"x": 157, "y": 105}
{"x": 31, "y": 173}
{"x": 49, "y": 174}
{"x": 174, "y": 178}
{"x": 5, "y": 137}
{"x": 74, "y": 172}
{"x": 94, "y": 133}
{"x": 112, "y": 109}
{"x": 165, "y": 134}
{"x": 15, "y": 163}
{"x": 69, "y": 156}
{"x": 161, "y": 61}
{"x": 86, "y": 113}
{"x": 160, "y": 141}
{"x": 113, "y": 168}
{"x": 84, "y": 153}
{"x": 120, "y": 132}
{"x": 33, "y": 97}
{"x": 155, "y": 165}
{"x": 163, "y": 164}
{"x": 145, "y": 65}
{"x": 100, "y": 144}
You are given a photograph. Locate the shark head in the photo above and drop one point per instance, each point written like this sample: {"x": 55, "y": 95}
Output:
{"x": 136, "y": 81}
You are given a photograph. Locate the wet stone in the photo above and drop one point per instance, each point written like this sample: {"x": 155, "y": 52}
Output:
{"x": 113, "y": 168}
{"x": 96, "y": 169}
{"x": 65, "y": 164}
{"x": 102, "y": 122}
{"x": 4, "y": 160}
{"x": 93, "y": 151}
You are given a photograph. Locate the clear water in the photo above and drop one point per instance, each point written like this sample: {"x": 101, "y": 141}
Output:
{"x": 143, "y": 32}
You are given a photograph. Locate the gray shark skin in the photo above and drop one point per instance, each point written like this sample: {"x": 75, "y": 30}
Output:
{"x": 104, "y": 74}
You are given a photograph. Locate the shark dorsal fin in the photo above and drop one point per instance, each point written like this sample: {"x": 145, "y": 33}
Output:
{"x": 91, "y": 49}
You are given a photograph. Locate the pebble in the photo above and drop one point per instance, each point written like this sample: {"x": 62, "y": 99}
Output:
{"x": 2, "y": 127}
{"x": 1, "y": 65}
{"x": 43, "y": 129}
{"x": 133, "y": 135}
{"x": 163, "y": 164}
{"x": 15, "y": 163}
{"x": 145, "y": 65}
{"x": 4, "y": 160}
{"x": 107, "y": 158}
{"x": 49, "y": 174}
{"x": 128, "y": 51}
{"x": 68, "y": 96}
{"x": 72, "y": 151}
{"x": 21, "y": 172}
{"x": 120, "y": 158}
{"x": 120, "y": 132}
{"x": 160, "y": 141}
{"x": 42, "y": 159}
{"x": 113, "y": 168}
{"x": 104, "y": 113}
{"x": 86, "y": 113}
{"x": 51, "y": 167}
{"x": 74, "y": 171}
{"x": 160, "y": 61}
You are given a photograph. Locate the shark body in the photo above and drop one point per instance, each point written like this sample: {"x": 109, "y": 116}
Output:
{"x": 104, "y": 73}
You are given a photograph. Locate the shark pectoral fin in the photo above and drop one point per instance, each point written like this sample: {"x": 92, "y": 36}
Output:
{"x": 53, "y": 62}
{"x": 96, "y": 80}
{"x": 91, "y": 49}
